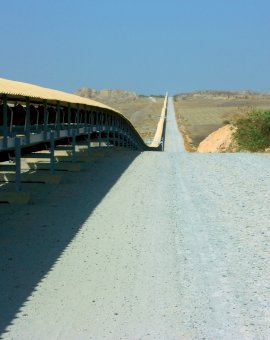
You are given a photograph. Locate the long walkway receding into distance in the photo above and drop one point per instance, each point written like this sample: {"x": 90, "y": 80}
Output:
{"x": 158, "y": 245}
{"x": 174, "y": 140}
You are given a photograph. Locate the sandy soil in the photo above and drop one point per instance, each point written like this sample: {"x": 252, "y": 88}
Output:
{"x": 155, "y": 245}
{"x": 220, "y": 140}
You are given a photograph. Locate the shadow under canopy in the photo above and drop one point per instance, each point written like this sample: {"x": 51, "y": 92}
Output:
{"x": 33, "y": 237}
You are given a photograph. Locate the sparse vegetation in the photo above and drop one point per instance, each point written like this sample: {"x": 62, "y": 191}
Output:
{"x": 201, "y": 113}
{"x": 152, "y": 95}
{"x": 253, "y": 131}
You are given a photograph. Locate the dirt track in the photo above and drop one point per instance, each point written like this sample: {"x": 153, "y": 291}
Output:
{"x": 171, "y": 246}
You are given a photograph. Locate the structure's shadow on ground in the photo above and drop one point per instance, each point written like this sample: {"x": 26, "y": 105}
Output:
{"x": 33, "y": 237}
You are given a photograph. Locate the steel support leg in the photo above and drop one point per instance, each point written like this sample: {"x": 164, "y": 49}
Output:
{"x": 114, "y": 136}
{"x": 73, "y": 146}
{"x": 108, "y": 136}
{"x": 118, "y": 138}
{"x": 52, "y": 159}
{"x": 88, "y": 141}
{"x": 18, "y": 164}
{"x": 27, "y": 122}
{"x": 5, "y": 122}
{"x": 99, "y": 138}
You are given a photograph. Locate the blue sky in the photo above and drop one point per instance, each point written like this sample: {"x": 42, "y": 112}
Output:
{"x": 147, "y": 46}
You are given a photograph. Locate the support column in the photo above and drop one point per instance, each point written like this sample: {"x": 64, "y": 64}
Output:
{"x": 107, "y": 129}
{"x": 118, "y": 133}
{"x": 57, "y": 120}
{"x": 128, "y": 137}
{"x": 78, "y": 119}
{"x": 27, "y": 122}
{"x": 52, "y": 159}
{"x": 114, "y": 134}
{"x": 94, "y": 121}
{"x": 85, "y": 119}
{"x": 113, "y": 130}
{"x": 18, "y": 164}
{"x": 69, "y": 119}
{"x": 124, "y": 135}
{"x": 73, "y": 146}
{"x": 99, "y": 130}
{"x": 45, "y": 119}
{"x": 91, "y": 120}
{"x": 88, "y": 140}
{"x": 5, "y": 121}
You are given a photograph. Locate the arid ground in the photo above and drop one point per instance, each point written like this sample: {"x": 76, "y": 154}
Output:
{"x": 199, "y": 114}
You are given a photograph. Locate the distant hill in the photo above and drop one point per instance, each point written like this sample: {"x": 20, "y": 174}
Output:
{"x": 106, "y": 95}
{"x": 223, "y": 95}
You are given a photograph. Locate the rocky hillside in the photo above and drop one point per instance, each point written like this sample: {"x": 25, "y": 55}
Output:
{"x": 106, "y": 95}
{"x": 223, "y": 95}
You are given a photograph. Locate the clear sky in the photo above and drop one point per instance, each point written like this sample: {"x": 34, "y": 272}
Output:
{"x": 147, "y": 46}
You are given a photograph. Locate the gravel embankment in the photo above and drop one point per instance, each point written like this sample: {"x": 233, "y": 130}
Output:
{"x": 176, "y": 246}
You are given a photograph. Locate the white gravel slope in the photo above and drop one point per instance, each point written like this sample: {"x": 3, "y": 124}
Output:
{"x": 177, "y": 249}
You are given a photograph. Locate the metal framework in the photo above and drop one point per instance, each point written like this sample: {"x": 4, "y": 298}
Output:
{"x": 32, "y": 121}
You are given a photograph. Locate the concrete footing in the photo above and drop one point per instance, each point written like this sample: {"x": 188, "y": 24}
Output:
{"x": 31, "y": 178}
{"x": 58, "y": 166}
{"x": 15, "y": 197}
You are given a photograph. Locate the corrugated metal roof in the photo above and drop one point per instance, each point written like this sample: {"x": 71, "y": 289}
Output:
{"x": 22, "y": 90}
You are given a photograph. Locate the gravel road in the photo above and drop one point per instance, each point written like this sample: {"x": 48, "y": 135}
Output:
{"x": 178, "y": 248}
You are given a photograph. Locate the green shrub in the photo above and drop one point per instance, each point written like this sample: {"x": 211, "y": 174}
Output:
{"x": 226, "y": 122}
{"x": 253, "y": 131}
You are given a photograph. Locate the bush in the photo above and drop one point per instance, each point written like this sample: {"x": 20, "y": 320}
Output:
{"x": 253, "y": 131}
{"x": 226, "y": 122}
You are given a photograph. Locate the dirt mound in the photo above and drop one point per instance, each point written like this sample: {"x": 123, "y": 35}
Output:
{"x": 219, "y": 140}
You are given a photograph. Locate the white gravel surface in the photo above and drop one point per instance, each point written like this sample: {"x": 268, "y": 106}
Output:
{"x": 176, "y": 248}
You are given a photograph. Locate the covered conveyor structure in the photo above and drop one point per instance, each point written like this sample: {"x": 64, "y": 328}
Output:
{"x": 36, "y": 122}
{"x": 31, "y": 113}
